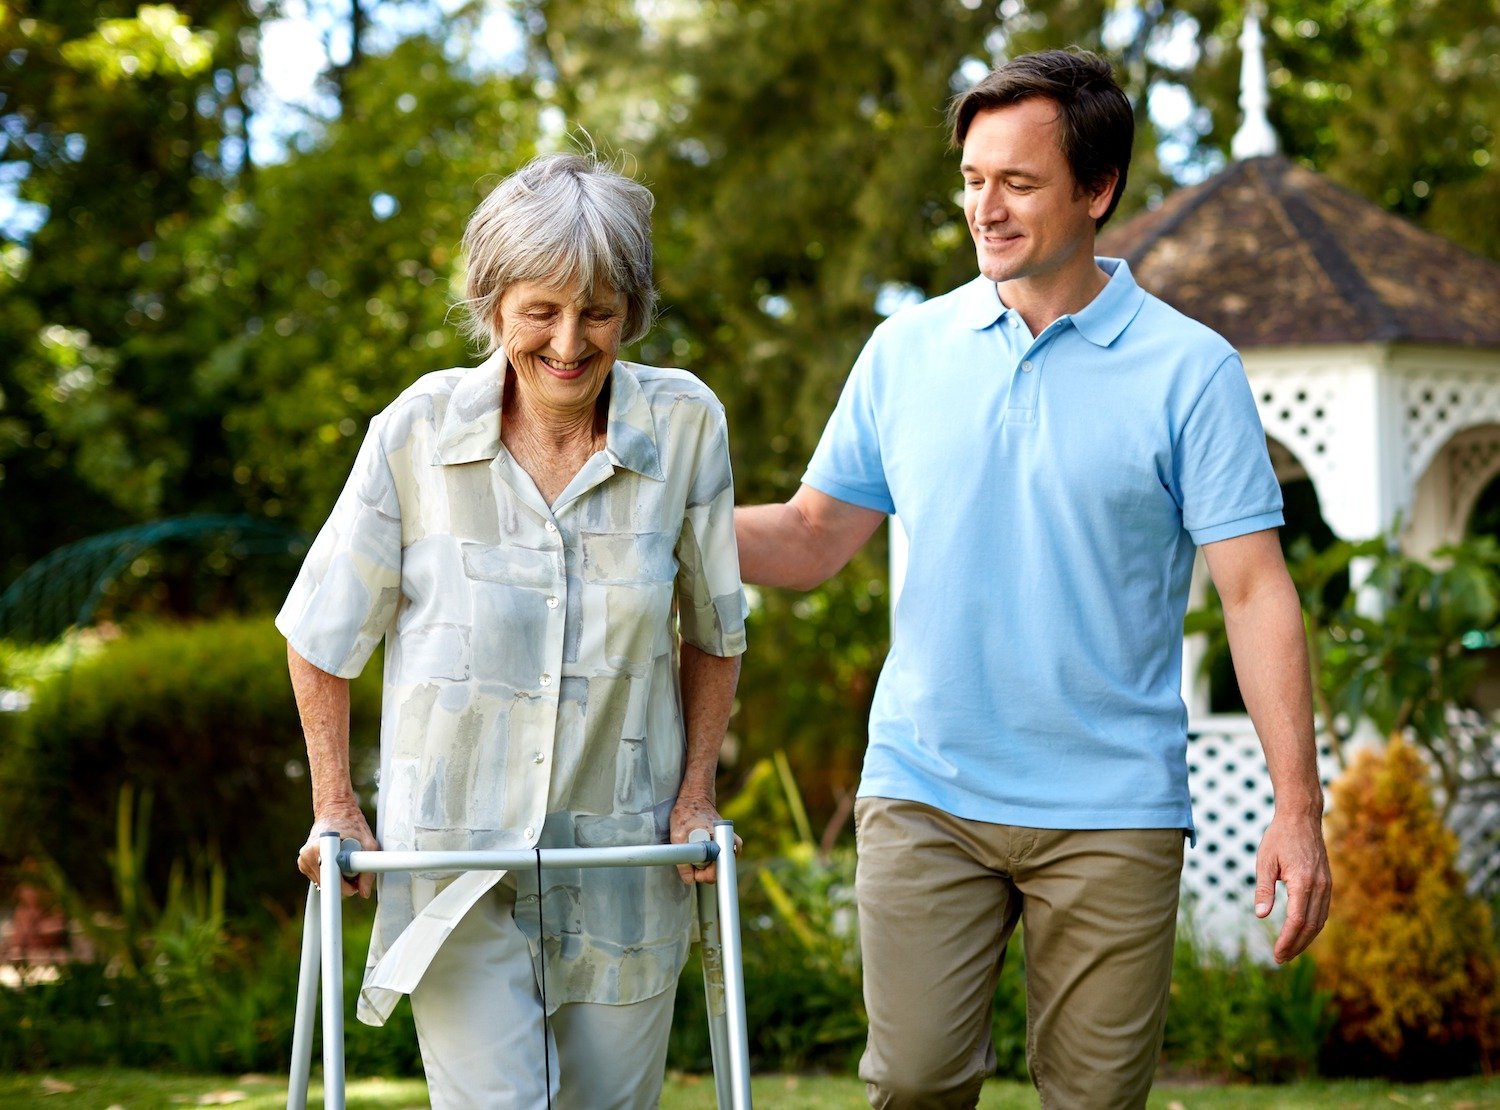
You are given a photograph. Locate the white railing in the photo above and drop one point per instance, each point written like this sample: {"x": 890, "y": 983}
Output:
{"x": 1232, "y": 804}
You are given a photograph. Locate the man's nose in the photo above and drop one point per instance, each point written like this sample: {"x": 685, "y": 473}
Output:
{"x": 990, "y": 207}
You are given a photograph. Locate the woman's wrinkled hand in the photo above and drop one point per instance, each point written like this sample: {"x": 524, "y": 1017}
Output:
{"x": 347, "y": 821}
{"x": 695, "y": 811}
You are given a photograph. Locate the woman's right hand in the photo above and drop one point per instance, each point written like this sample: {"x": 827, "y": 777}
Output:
{"x": 347, "y": 821}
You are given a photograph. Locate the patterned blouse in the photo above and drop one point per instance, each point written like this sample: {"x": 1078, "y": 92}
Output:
{"x": 531, "y": 693}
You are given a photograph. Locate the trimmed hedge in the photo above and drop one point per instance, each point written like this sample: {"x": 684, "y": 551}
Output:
{"x": 202, "y": 716}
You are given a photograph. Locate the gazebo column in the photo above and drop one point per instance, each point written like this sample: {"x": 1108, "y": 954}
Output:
{"x": 1368, "y": 489}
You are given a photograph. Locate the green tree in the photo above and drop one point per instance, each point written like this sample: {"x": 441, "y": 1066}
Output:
{"x": 351, "y": 247}
{"x": 198, "y": 333}
{"x": 122, "y": 127}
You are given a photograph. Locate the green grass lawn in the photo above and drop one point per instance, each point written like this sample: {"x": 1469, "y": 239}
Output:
{"x": 140, "y": 1090}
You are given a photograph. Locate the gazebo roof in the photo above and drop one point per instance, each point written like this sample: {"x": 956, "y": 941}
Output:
{"x": 1268, "y": 253}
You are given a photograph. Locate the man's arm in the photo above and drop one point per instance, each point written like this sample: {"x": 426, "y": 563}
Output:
{"x": 802, "y": 542}
{"x": 1264, "y": 621}
{"x": 323, "y": 704}
{"x": 708, "y": 683}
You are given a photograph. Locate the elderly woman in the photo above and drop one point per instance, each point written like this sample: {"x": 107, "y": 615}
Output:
{"x": 546, "y": 544}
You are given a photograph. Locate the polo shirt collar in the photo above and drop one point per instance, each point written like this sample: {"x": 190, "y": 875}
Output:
{"x": 979, "y": 303}
{"x": 471, "y": 424}
{"x": 1103, "y": 319}
{"x": 1100, "y": 321}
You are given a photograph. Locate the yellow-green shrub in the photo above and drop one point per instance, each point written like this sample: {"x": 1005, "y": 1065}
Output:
{"x": 1408, "y": 954}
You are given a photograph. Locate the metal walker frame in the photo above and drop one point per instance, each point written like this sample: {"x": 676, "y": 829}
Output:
{"x": 718, "y": 917}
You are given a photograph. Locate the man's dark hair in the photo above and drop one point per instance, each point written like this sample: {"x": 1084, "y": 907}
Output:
{"x": 1096, "y": 121}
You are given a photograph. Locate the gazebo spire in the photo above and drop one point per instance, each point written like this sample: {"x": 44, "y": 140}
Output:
{"x": 1255, "y": 138}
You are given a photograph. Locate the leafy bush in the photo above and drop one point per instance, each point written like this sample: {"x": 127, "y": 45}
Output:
{"x": 1408, "y": 954}
{"x": 200, "y": 715}
{"x": 1231, "y": 1017}
{"x": 206, "y": 1002}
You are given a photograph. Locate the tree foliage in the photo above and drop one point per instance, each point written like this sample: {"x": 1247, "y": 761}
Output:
{"x": 125, "y": 128}
{"x": 349, "y": 251}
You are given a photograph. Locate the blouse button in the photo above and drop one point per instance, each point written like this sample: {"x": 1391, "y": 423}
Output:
{"x": 551, "y": 527}
{"x": 552, "y": 603}
{"x": 528, "y": 832}
{"x": 546, "y": 680}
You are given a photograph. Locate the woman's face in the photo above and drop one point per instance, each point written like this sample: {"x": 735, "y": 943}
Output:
{"x": 561, "y": 342}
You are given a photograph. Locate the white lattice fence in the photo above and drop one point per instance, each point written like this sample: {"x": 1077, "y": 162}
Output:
{"x": 1232, "y": 804}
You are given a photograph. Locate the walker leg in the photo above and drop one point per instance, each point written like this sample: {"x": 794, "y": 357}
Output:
{"x": 734, "y": 968}
{"x": 711, "y": 953}
{"x": 307, "y": 1006}
{"x": 331, "y": 887}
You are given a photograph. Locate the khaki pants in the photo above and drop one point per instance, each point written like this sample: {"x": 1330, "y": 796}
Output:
{"x": 938, "y": 900}
{"x": 479, "y": 1023}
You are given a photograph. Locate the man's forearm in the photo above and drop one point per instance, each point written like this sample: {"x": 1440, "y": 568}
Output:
{"x": 1267, "y": 644}
{"x": 777, "y": 547}
{"x": 803, "y": 542}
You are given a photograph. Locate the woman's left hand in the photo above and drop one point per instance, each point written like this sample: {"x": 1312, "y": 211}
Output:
{"x": 695, "y": 811}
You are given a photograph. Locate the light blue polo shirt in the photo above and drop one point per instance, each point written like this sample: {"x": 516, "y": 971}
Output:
{"x": 1053, "y": 488}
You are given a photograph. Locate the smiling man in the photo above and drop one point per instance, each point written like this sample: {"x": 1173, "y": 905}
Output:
{"x": 1057, "y": 443}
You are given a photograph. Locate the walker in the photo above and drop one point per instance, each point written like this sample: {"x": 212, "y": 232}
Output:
{"x": 718, "y": 918}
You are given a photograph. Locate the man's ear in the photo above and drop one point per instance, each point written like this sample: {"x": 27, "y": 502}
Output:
{"x": 1099, "y": 199}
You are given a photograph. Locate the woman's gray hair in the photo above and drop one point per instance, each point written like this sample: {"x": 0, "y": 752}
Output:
{"x": 561, "y": 219}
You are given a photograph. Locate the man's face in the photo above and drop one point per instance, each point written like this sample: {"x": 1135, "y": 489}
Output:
{"x": 1028, "y": 216}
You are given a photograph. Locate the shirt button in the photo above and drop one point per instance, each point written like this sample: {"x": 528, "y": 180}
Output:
{"x": 538, "y": 758}
{"x": 551, "y": 527}
{"x": 1014, "y": 322}
{"x": 552, "y": 603}
{"x": 1026, "y": 366}
{"x": 546, "y": 680}
{"x": 528, "y": 832}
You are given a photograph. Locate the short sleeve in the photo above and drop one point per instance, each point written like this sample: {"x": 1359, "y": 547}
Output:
{"x": 847, "y": 463}
{"x": 710, "y": 599}
{"x": 1222, "y": 470}
{"x": 346, "y": 594}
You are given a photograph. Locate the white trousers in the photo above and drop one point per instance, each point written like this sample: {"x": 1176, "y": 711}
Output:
{"x": 479, "y": 1024}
